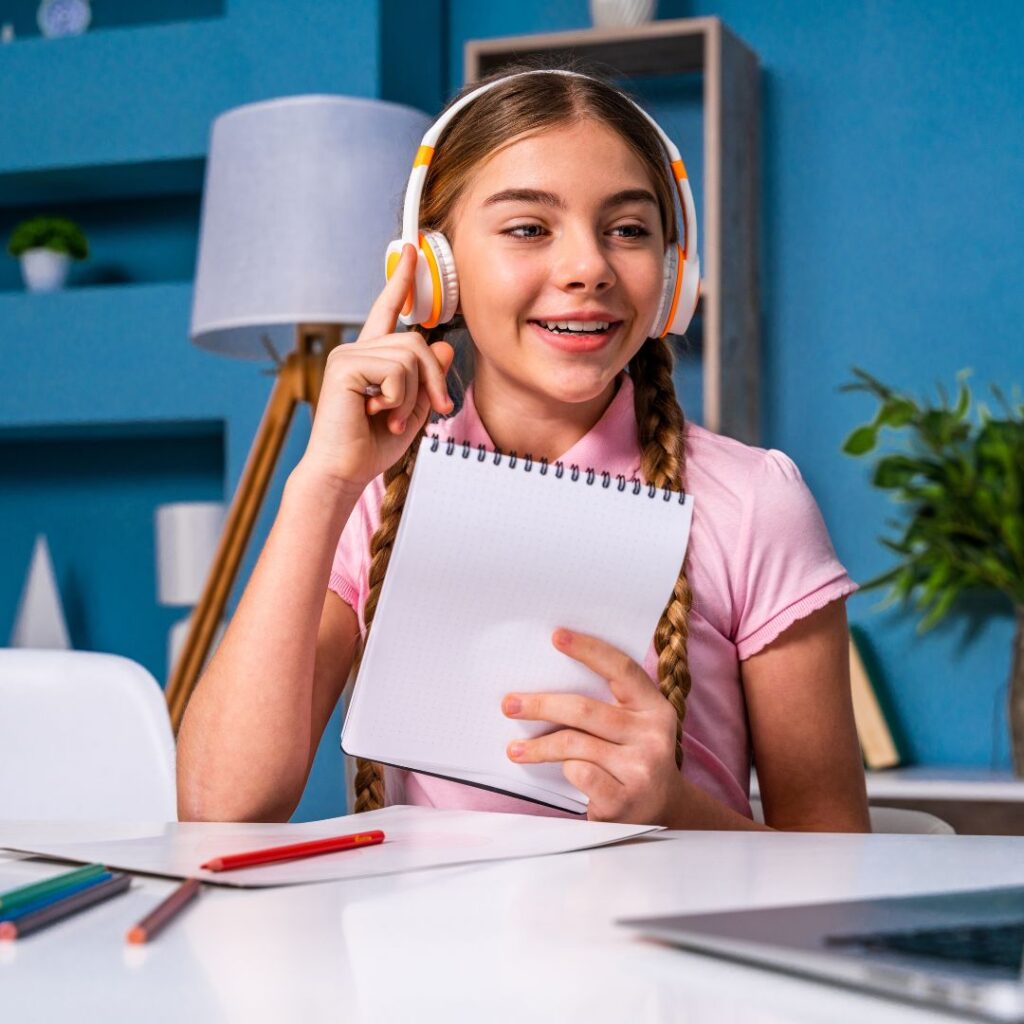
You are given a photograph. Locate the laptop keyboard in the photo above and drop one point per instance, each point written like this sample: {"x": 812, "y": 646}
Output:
{"x": 1000, "y": 945}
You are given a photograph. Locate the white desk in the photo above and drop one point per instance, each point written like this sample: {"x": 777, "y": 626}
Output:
{"x": 525, "y": 941}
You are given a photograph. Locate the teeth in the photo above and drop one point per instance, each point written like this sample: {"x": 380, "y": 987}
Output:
{"x": 575, "y": 325}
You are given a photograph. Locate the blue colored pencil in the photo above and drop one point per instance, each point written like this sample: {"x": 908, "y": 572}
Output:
{"x": 32, "y": 891}
{"x": 64, "y": 908}
{"x": 16, "y": 912}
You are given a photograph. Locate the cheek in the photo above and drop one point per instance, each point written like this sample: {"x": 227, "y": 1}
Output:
{"x": 650, "y": 278}
{"x": 499, "y": 282}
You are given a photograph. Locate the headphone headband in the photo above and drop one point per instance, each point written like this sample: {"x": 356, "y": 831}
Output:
{"x": 425, "y": 153}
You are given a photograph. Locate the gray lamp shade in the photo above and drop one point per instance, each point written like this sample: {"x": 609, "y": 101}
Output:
{"x": 302, "y": 196}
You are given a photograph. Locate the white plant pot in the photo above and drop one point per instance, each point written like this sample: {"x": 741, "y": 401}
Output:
{"x": 44, "y": 270}
{"x": 621, "y": 13}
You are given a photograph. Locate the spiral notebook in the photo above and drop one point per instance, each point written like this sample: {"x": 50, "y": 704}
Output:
{"x": 492, "y": 554}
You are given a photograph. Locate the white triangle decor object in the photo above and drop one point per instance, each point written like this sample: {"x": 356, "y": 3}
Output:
{"x": 39, "y": 622}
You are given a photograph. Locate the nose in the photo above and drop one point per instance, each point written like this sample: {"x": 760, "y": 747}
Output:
{"x": 582, "y": 264}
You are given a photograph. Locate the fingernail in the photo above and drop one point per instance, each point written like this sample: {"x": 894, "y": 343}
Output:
{"x": 562, "y": 637}
{"x": 513, "y": 705}
{"x": 516, "y": 750}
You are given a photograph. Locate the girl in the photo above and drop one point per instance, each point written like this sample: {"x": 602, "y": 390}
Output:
{"x": 556, "y": 197}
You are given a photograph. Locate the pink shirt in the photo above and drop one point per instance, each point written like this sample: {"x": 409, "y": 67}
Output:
{"x": 759, "y": 558}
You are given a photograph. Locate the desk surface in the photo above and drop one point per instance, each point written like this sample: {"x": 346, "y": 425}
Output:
{"x": 519, "y": 940}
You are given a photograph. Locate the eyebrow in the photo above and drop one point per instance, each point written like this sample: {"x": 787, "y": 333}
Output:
{"x": 534, "y": 195}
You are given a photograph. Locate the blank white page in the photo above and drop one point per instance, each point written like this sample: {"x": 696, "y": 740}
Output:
{"x": 490, "y": 558}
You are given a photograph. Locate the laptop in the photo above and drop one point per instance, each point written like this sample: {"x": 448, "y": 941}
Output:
{"x": 961, "y": 951}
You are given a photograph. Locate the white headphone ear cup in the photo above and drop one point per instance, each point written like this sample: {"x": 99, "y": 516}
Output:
{"x": 445, "y": 262}
{"x": 668, "y": 289}
{"x": 689, "y": 293}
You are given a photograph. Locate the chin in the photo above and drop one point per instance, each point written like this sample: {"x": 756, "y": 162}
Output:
{"x": 575, "y": 384}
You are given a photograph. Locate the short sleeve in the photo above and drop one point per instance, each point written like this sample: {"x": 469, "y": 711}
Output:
{"x": 346, "y": 569}
{"x": 787, "y": 566}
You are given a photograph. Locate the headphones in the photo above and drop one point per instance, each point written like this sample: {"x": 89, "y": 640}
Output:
{"x": 435, "y": 293}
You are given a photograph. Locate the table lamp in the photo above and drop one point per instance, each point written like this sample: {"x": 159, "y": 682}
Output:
{"x": 301, "y": 196}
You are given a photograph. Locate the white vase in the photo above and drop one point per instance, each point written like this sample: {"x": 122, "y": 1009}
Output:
{"x": 44, "y": 270}
{"x": 621, "y": 13}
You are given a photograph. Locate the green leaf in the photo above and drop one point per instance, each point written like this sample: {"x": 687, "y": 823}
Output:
{"x": 963, "y": 402}
{"x": 1013, "y": 532}
{"x": 861, "y": 441}
{"x": 895, "y": 471}
{"x": 938, "y": 613}
{"x": 896, "y": 412}
{"x": 937, "y": 579}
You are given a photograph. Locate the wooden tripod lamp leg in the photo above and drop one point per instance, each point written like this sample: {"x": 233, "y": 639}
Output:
{"x": 298, "y": 379}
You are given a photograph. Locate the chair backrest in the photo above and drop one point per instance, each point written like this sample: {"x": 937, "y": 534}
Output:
{"x": 905, "y": 820}
{"x": 891, "y": 819}
{"x": 83, "y": 736}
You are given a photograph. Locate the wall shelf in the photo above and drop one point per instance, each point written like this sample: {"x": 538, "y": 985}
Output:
{"x": 91, "y": 182}
{"x": 730, "y": 218}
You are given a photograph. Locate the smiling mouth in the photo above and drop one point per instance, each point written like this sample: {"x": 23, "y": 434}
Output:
{"x": 583, "y": 328}
{"x": 581, "y": 336}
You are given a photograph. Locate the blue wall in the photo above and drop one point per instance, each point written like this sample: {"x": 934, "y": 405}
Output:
{"x": 891, "y": 134}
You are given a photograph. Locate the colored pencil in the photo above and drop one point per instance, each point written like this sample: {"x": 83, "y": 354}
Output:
{"x": 64, "y": 908}
{"x": 313, "y": 848}
{"x": 14, "y": 913}
{"x": 27, "y": 893}
{"x": 154, "y": 921}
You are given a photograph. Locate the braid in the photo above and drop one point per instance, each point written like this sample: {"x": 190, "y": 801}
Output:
{"x": 660, "y": 430}
{"x": 369, "y": 780}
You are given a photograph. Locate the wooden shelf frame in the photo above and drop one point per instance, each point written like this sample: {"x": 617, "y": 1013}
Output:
{"x": 730, "y": 218}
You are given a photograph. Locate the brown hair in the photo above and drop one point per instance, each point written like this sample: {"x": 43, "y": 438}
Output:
{"x": 534, "y": 103}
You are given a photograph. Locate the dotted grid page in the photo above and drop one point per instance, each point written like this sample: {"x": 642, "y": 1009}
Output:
{"x": 489, "y": 560}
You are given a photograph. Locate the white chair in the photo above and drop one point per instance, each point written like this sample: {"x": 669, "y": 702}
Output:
{"x": 890, "y": 819}
{"x": 83, "y": 736}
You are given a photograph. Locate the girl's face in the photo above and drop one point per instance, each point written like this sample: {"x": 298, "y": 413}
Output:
{"x": 555, "y": 227}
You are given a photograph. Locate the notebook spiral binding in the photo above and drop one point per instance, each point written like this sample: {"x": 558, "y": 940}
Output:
{"x": 590, "y": 475}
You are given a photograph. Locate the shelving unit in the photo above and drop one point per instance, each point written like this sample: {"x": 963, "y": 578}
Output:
{"x": 729, "y": 309}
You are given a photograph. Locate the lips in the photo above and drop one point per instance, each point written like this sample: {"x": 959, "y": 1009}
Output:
{"x": 576, "y": 341}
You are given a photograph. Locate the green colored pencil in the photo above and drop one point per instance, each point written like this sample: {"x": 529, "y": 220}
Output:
{"x": 27, "y": 893}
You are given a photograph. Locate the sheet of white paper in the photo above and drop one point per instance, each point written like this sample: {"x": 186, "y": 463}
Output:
{"x": 488, "y": 561}
{"x": 415, "y": 838}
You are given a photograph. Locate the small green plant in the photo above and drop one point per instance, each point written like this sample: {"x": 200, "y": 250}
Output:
{"x": 56, "y": 233}
{"x": 962, "y": 486}
{"x": 963, "y": 490}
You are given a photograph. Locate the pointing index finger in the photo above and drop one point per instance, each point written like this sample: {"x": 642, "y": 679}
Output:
{"x": 393, "y": 298}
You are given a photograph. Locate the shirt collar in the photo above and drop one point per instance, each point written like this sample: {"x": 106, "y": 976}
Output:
{"x": 611, "y": 444}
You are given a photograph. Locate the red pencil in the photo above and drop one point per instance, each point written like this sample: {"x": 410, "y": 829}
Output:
{"x": 310, "y": 849}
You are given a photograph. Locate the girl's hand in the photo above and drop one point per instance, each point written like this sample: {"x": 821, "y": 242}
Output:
{"x": 355, "y": 438}
{"x": 622, "y": 755}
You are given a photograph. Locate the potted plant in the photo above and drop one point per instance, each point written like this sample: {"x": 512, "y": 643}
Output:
{"x": 961, "y": 486}
{"x": 46, "y": 246}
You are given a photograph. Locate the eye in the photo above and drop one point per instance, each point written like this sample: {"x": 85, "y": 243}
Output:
{"x": 639, "y": 229}
{"x": 532, "y": 231}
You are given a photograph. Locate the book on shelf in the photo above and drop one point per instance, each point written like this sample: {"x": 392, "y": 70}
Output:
{"x": 877, "y": 743}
